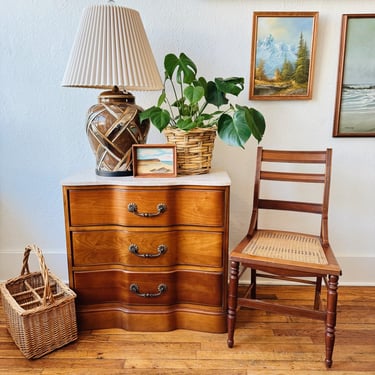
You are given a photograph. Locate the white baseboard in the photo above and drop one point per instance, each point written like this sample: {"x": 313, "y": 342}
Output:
{"x": 357, "y": 271}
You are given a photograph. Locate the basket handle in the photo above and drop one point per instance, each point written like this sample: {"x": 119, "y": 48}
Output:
{"x": 47, "y": 294}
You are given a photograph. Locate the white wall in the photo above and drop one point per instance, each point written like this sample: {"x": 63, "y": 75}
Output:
{"x": 42, "y": 124}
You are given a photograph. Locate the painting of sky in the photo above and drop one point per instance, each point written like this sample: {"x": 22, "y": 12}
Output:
{"x": 286, "y": 29}
{"x": 360, "y": 52}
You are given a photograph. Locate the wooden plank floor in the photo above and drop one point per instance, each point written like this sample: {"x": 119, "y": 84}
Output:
{"x": 264, "y": 344}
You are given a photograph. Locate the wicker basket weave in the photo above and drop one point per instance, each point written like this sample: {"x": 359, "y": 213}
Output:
{"x": 194, "y": 149}
{"x": 39, "y": 308}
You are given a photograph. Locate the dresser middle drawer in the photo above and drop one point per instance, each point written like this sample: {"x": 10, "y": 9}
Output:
{"x": 147, "y": 248}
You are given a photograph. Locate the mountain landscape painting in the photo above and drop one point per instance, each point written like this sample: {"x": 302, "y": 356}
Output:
{"x": 283, "y": 55}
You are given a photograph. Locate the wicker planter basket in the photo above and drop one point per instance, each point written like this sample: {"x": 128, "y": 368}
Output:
{"x": 194, "y": 149}
{"x": 39, "y": 308}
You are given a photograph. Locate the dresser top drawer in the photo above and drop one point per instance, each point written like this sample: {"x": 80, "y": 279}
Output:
{"x": 162, "y": 206}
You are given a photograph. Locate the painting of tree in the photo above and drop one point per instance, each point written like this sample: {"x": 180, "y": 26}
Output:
{"x": 282, "y": 55}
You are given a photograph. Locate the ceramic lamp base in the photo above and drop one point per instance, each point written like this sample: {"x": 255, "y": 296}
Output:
{"x": 112, "y": 128}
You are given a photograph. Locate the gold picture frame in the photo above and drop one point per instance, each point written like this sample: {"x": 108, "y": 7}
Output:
{"x": 283, "y": 55}
{"x": 355, "y": 93}
{"x": 154, "y": 160}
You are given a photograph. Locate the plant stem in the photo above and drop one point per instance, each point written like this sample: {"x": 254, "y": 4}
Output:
{"x": 204, "y": 105}
{"x": 182, "y": 95}
{"x": 169, "y": 104}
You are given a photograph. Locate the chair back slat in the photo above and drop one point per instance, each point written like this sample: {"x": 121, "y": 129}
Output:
{"x": 313, "y": 157}
{"x": 315, "y": 208}
{"x": 292, "y": 177}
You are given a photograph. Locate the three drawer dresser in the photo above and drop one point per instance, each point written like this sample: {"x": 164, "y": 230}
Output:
{"x": 148, "y": 254}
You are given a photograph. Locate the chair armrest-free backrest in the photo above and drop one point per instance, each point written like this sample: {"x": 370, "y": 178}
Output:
{"x": 267, "y": 170}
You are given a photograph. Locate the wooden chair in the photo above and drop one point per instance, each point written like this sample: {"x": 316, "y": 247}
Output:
{"x": 288, "y": 255}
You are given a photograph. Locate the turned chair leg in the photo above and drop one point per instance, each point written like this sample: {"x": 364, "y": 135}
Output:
{"x": 253, "y": 280}
{"x": 318, "y": 290}
{"x": 331, "y": 318}
{"x": 232, "y": 302}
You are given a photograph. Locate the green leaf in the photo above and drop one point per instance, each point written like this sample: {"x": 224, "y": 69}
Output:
{"x": 194, "y": 94}
{"x": 146, "y": 114}
{"x": 179, "y": 103}
{"x": 205, "y": 116}
{"x": 159, "y": 117}
{"x": 245, "y": 122}
{"x": 214, "y": 95}
{"x": 234, "y": 131}
{"x": 161, "y": 98}
{"x": 185, "y": 110}
{"x": 233, "y": 85}
{"x": 255, "y": 121}
{"x": 186, "y": 70}
{"x": 186, "y": 124}
{"x": 201, "y": 82}
{"x": 170, "y": 64}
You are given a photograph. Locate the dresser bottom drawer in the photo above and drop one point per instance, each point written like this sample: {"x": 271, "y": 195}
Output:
{"x": 155, "y": 320}
{"x": 149, "y": 288}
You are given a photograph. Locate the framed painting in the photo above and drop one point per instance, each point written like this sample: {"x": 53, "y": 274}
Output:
{"x": 282, "y": 55}
{"x": 154, "y": 160}
{"x": 355, "y": 93}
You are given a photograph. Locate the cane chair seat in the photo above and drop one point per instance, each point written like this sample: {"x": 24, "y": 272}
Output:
{"x": 290, "y": 246}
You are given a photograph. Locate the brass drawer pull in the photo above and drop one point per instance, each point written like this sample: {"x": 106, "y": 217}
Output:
{"x": 134, "y": 288}
{"x": 161, "y": 207}
{"x": 162, "y": 249}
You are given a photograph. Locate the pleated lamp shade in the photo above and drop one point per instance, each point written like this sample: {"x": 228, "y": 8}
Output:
{"x": 111, "y": 49}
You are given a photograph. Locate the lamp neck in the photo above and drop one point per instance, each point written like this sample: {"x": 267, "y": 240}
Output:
{"x": 116, "y": 96}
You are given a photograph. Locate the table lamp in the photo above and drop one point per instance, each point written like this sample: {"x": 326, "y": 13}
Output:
{"x": 111, "y": 51}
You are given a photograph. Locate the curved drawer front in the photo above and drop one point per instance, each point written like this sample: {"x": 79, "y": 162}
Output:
{"x": 146, "y": 207}
{"x": 151, "y": 288}
{"x": 147, "y": 248}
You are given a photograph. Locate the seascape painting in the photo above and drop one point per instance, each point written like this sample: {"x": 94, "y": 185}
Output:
{"x": 283, "y": 55}
{"x": 355, "y": 98}
{"x": 154, "y": 160}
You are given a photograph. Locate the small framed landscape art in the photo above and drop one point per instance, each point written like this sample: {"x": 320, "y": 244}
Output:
{"x": 282, "y": 55}
{"x": 154, "y": 160}
{"x": 355, "y": 94}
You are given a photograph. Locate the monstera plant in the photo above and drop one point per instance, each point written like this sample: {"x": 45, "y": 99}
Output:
{"x": 188, "y": 102}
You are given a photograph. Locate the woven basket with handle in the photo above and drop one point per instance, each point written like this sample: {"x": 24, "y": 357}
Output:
{"x": 39, "y": 308}
{"x": 194, "y": 149}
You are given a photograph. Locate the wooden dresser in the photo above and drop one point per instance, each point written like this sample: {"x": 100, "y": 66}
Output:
{"x": 148, "y": 254}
